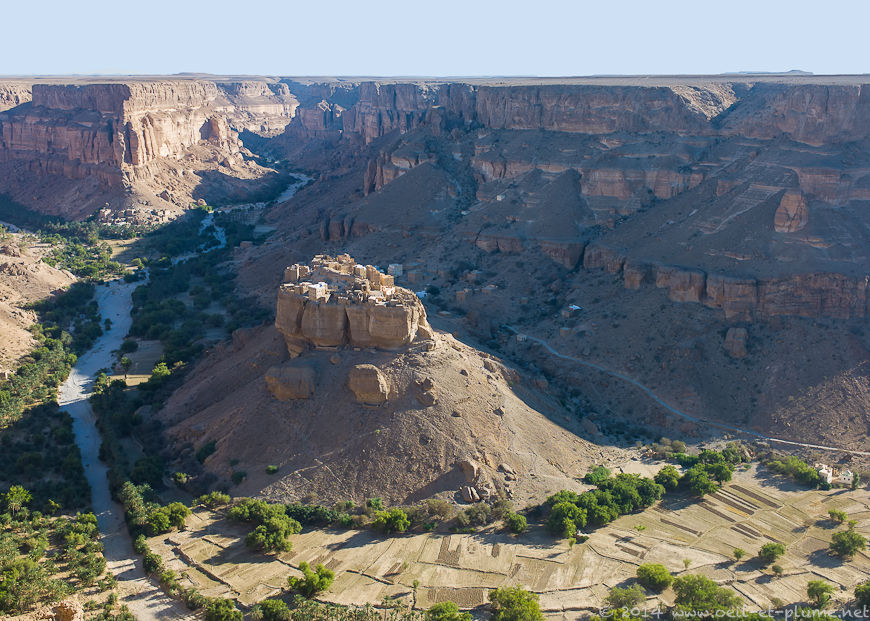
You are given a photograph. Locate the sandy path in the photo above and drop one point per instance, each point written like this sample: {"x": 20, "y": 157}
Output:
{"x": 145, "y": 600}
{"x": 649, "y": 393}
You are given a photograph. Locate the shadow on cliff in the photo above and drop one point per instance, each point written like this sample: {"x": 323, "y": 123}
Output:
{"x": 218, "y": 189}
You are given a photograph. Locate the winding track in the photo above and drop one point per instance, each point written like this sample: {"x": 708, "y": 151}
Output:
{"x": 668, "y": 407}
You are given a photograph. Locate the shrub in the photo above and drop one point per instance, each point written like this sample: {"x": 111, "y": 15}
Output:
{"x": 439, "y": 508}
{"x": 139, "y": 545}
{"x": 375, "y": 504}
{"x": 516, "y": 523}
{"x": 514, "y": 604}
{"x": 446, "y": 611}
{"x": 796, "y": 468}
{"x": 847, "y": 543}
{"x": 205, "y": 451}
{"x": 654, "y": 576}
{"x": 152, "y": 563}
{"x": 770, "y": 552}
{"x": 213, "y": 499}
{"x": 239, "y": 476}
{"x": 477, "y": 515}
{"x": 313, "y": 581}
{"x": 393, "y": 520}
{"x": 597, "y": 476}
{"x": 271, "y": 469}
{"x": 629, "y": 597}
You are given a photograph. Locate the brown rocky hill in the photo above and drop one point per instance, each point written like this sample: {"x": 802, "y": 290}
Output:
{"x": 665, "y": 211}
{"x": 24, "y": 278}
{"x": 426, "y": 416}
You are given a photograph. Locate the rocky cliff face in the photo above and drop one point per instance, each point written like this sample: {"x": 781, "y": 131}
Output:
{"x": 121, "y": 133}
{"x": 732, "y": 194}
{"x": 14, "y": 94}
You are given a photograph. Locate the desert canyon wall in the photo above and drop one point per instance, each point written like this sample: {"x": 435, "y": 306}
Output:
{"x": 749, "y": 182}
{"x": 118, "y": 133}
{"x": 745, "y": 194}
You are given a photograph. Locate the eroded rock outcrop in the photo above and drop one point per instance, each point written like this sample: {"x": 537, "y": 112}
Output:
{"x": 335, "y": 302}
{"x": 291, "y": 381}
{"x": 791, "y": 215}
{"x": 368, "y": 384}
{"x": 735, "y": 342}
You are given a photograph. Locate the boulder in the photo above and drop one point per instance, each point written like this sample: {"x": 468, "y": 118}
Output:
{"x": 69, "y": 610}
{"x": 506, "y": 469}
{"x": 735, "y": 342}
{"x": 368, "y": 384}
{"x": 791, "y": 215}
{"x": 290, "y": 382}
{"x": 470, "y": 469}
{"x": 469, "y": 494}
{"x": 426, "y": 394}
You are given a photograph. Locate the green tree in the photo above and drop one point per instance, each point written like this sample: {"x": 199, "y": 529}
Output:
{"x": 738, "y": 553}
{"x": 700, "y": 594}
{"x": 16, "y": 499}
{"x": 446, "y": 611}
{"x": 698, "y": 481}
{"x": 720, "y": 471}
{"x": 769, "y": 552}
{"x": 565, "y": 519}
{"x": 627, "y": 597}
{"x": 271, "y": 610}
{"x": 313, "y": 581}
{"x": 862, "y": 594}
{"x": 126, "y": 363}
{"x": 393, "y": 520}
{"x": 273, "y": 534}
{"x": 819, "y": 592}
{"x": 837, "y": 515}
{"x": 514, "y": 604}
{"x": 668, "y": 477}
{"x": 654, "y": 576}
{"x": 847, "y": 543}
{"x": 222, "y": 610}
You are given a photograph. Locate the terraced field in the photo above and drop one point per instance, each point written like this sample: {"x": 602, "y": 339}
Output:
{"x": 751, "y": 510}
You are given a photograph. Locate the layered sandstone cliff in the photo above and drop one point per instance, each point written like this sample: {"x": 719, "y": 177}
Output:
{"x": 119, "y": 133}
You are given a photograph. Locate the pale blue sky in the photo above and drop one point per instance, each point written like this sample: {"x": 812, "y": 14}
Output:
{"x": 451, "y": 37}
